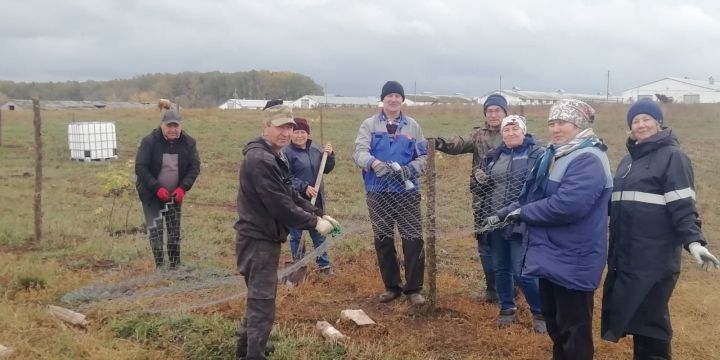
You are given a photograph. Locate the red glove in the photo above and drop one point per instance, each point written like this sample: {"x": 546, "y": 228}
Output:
{"x": 179, "y": 194}
{"x": 163, "y": 194}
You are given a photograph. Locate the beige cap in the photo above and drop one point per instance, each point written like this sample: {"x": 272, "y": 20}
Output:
{"x": 279, "y": 115}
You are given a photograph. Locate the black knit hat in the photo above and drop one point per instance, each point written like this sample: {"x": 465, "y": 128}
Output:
{"x": 392, "y": 87}
{"x": 497, "y": 100}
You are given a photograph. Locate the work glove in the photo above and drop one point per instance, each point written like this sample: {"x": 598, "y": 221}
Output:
{"x": 323, "y": 226}
{"x": 381, "y": 168}
{"x": 404, "y": 171}
{"x": 163, "y": 194}
{"x": 480, "y": 176}
{"x": 513, "y": 216}
{"x": 179, "y": 194}
{"x": 489, "y": 221}
{"x": 335, "y": 224}
{"x": 703, "y": 256}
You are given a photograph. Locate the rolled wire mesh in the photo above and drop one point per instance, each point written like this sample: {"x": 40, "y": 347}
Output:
{"x": 394, "y": 209}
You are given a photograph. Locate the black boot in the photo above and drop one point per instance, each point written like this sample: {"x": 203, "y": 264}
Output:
{"x": 647, "y": 348}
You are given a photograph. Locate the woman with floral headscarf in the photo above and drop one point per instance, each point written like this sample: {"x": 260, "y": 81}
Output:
{"x": 564, "y": 204}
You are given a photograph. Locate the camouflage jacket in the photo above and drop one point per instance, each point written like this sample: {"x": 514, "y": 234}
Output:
{"x": 479, "y": 142}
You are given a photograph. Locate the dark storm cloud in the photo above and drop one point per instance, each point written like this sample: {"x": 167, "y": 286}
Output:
{"x": 352, "y": 47}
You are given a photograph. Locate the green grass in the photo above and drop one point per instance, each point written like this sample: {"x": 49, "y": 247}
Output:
{"x": 77, "y": 231}
{"x": 200, "y": 337}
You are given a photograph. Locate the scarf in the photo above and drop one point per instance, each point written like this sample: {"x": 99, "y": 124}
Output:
{"x": 534, "y": 188}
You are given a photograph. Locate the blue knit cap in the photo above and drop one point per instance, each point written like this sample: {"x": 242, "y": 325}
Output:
{"x": 497, "y": 100}
{"x": 644, "y": 106}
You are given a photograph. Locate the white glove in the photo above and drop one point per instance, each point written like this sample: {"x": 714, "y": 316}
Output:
{"x": 492, "y": 220}
{"x": 480, "y": 176}
{"x": 323, "y": 226}
{"x": 703, "y": 256}
{"x": 381, "y": 168}
{"x": 332, "y": 221}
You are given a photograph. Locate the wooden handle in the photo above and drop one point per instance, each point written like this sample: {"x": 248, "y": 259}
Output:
{"x": 318, "y": 181}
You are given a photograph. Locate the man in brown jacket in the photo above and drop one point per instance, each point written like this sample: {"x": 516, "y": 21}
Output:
{"x": 479, "y": 142}
{"x": 267, "y": 205}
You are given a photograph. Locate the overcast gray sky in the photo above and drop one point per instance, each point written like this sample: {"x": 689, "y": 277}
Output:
{"x": 353, "y": 46}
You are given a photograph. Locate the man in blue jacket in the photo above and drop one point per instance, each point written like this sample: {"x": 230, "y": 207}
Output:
{"x": 565, "y": 206}
{"x": 392, "y": 151}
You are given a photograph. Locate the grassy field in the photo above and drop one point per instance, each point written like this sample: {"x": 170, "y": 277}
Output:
{"x": 83, "y": 244}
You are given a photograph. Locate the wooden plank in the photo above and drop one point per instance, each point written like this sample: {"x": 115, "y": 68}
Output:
{"x": 5, "y": 352}
{"x": 359, "y": 317}
{"x": 68, "y": 316}
{"x": 329, "y": 332}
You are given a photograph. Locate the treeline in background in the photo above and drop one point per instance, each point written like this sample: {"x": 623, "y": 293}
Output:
{"x": 190, "y": 89}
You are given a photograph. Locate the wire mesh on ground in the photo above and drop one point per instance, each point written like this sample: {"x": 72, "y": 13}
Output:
{"x": 397, "y": 209}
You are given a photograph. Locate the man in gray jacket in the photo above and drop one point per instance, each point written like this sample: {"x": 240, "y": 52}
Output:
{"x": 392, "y": 152}
{"x": 267, "y": 205}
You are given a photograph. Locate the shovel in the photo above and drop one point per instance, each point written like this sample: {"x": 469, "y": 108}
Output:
{"x": 297, "y": 276}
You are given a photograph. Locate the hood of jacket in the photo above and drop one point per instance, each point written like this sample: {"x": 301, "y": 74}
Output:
{"x": 663, "y": 138}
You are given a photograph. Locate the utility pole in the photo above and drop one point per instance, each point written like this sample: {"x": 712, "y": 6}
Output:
{"x": 607, "y": 88}
{"x": 500, "y": 86}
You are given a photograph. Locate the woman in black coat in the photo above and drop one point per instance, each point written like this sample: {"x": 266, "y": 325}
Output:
{"x": 652, "y": 217}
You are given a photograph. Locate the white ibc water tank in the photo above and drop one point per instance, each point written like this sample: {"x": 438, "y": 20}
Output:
{"x": 90, "y": 141}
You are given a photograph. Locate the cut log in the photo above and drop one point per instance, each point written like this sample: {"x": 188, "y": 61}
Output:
{"x": 68, "y": 316}
{"x": 5, "y": 352}
{"x": 329, "y": 332}
{"x": 359, "y": 317}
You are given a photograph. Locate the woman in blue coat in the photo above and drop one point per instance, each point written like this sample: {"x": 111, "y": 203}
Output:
{"x": 565, "y": 204}
{"x": 304, "y": 159}
{"x": 652, "y": 218}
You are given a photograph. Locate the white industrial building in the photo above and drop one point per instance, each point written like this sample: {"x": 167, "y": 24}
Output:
{"x": 676, "y": 90}
{"x": 236, "y": 104}
{"x": 312, "y": 101}
{"x": 516, "y": 96}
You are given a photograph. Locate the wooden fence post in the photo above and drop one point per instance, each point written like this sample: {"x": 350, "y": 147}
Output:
{"x": 37, "y": 198}
{"x": 430, "y": 254}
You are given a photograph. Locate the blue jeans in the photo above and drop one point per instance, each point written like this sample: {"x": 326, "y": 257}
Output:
{"x": 507, "y": 256}
{"x": 486, "y": 261}
{"x": 323, "y": 261}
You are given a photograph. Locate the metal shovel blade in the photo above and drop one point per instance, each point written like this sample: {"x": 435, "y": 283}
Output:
{"x": 295, "y": 277}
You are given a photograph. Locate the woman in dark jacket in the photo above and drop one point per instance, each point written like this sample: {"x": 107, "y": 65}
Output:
{"x": 304, "y": 159}
{"x": 652, "y": 217}
{"x": 505, "y": 170}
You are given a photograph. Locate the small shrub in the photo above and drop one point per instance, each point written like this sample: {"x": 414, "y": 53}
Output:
{"x": 29, "y": 282}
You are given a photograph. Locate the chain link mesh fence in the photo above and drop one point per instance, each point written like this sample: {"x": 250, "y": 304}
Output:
{"x": 450, "y": 200}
